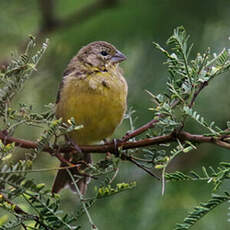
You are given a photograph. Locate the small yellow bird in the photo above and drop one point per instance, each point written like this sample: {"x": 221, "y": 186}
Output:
{"x": 93, "y": 92}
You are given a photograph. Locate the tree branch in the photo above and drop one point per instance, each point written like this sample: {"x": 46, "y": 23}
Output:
{"x": 147, "y": 126}
{"x": 104, "y": 148}
{"x": 140, "y": 130}
{"x": 51, "y": 23}
{"x": 48, "y": 17}
{"x": 130, "y": 158}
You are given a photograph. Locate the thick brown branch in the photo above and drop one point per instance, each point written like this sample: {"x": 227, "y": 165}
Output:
{"x": 182, "y": 136}
{"x": 18, "y": 142}
{"x": 85, "y": 13}
{"x": 90, "y": 148}
{"x": 51, "y": 23}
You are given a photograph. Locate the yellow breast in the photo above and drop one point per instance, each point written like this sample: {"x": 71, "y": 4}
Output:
{"x": 98, "y": 102}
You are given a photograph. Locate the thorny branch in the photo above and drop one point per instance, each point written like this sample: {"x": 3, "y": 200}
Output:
{"x": 123, "y": 144}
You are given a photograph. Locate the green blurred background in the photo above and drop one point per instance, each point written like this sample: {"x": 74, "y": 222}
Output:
{"x": 131, "y": 25}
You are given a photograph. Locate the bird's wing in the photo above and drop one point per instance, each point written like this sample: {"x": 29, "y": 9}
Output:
{"x": 70, "y": 71}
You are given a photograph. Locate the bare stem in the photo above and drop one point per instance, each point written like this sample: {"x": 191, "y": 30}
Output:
{"x": 93, "y": 226}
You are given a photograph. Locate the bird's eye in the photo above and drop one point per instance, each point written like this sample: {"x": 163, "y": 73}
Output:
{"x": 104, "y": 53}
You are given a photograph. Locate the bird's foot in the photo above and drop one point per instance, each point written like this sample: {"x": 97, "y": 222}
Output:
{"x": 116, "y": 149}
{"x": 71, "y": 142}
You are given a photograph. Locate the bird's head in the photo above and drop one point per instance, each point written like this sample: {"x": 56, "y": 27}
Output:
{"x": 100, "y": 54}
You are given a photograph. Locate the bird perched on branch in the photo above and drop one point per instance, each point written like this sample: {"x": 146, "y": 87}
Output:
{"x": 93, "y": 92}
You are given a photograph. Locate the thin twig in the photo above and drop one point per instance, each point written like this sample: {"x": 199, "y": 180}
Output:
{"x": 24, "y": 226}
{"x": 93, "y": 226}
{"x": 129, "y": 158}
{"x": 197, "y": 92}
{"x": 148, "y": 125}
{"x": 17, "y": 209}
{"x": 140, "y": 130}
{"x": 114, "y": 175}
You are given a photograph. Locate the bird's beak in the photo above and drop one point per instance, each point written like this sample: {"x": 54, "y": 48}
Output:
{"x": 118, "y": 57}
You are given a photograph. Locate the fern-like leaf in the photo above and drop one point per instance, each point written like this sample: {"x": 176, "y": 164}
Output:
{"x": 202, "y": 210}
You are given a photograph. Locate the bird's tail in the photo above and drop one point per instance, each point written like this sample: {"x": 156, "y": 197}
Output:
{"x": 63, "y": 178}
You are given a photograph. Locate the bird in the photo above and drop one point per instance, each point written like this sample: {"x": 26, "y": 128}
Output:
{"x": 94, "y": 92}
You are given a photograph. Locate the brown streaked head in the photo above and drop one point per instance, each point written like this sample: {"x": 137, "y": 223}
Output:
{"x": 100, "y": 53}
